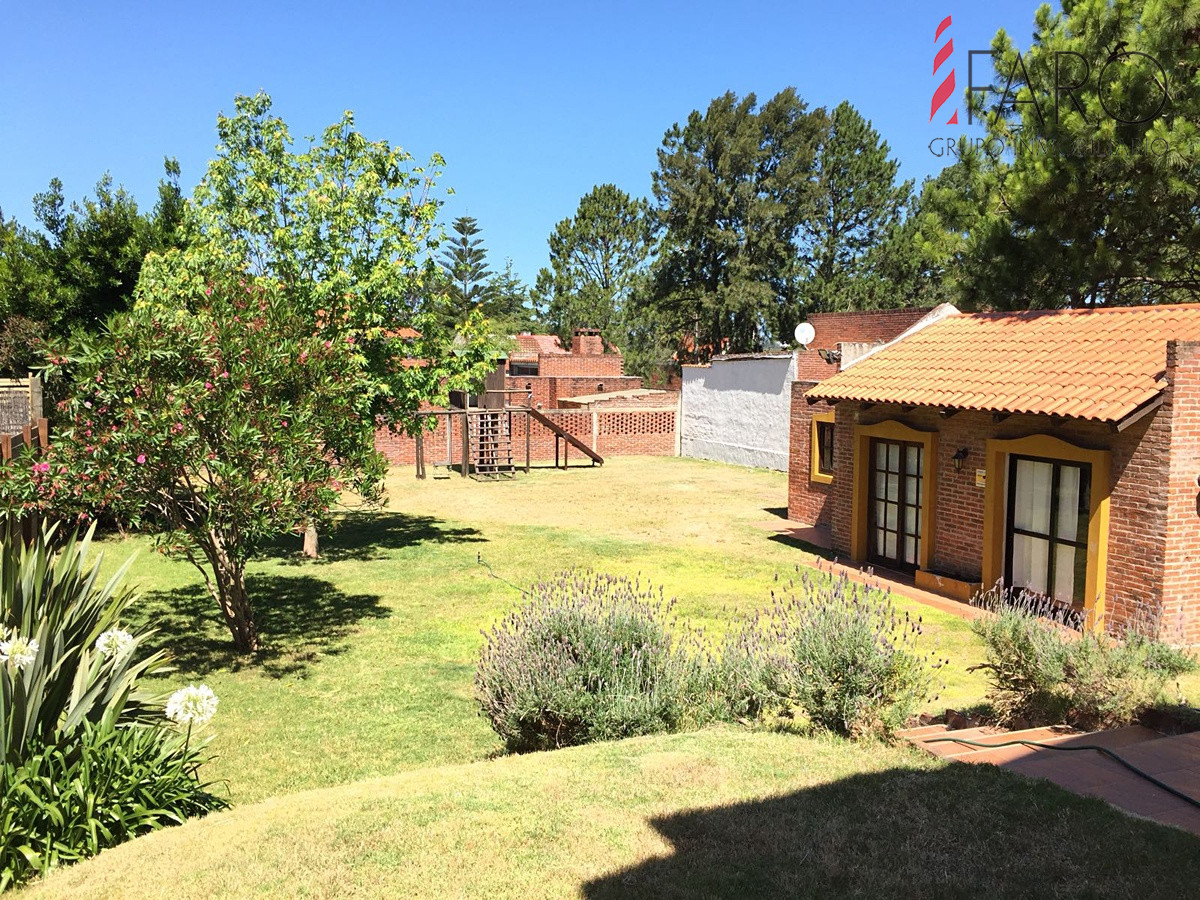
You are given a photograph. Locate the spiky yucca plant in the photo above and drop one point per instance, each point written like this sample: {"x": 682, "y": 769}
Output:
{"x": 53, "y": 599}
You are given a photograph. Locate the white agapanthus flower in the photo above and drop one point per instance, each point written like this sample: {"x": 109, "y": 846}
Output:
{"x": 18, "y": 651}
{"x": 114, "y": 642}
{"x": 192, "y": 705}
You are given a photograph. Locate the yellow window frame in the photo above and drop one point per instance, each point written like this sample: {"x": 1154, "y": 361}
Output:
{"x": 861, "y": 493}
{"x": 814, "y": 449}
{"x": 995, "y": 500}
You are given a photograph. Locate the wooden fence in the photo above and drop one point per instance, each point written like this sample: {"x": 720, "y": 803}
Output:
{"x": 35, "y": 434}
{"x": 20, "y": 403}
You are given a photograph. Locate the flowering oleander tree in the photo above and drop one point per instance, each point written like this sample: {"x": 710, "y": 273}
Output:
{"x": 216, "y": 416}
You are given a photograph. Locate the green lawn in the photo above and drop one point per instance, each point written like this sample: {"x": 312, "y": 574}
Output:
{"x": 371, "y": 650}
{"x": 722, "y": 813}
{"x": 359, "y": 767}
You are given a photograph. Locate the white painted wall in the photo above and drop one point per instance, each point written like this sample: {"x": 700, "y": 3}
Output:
{"x": 738, "y": 411}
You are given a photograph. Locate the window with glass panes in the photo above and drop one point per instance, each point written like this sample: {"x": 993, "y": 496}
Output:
{"x": 825, "y": 448}
{"x": 1047, "y": 527}
{"x": 894, "y": 529}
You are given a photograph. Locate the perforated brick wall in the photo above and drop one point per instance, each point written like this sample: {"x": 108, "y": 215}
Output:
{"x": 610, "y": 432}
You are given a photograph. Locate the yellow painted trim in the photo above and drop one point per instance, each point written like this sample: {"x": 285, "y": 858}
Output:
{"x": 814, "y": 450}
{"x": 996, "y": 498}
{"x": 893, "y": 431}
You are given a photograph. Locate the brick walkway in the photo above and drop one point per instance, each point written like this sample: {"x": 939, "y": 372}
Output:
{"x": 1175, "y": 761}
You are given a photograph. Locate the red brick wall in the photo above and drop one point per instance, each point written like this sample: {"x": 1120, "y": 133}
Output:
{"x": 610, "y": 432}
{"x": 609, "y": 364}
{"x": 1181, "y": 569}
{"x": 587, "y": 344}
{"x": 808, "y": 501}
{"x": 1138, "y": 518}
{"x": 657, "y": 400}
{"x": 547, "y": 390}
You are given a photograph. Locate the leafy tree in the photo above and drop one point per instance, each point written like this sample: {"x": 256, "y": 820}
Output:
{"x": 464, "y": 261}
{"x": 924, "y": 260}
{"x": 858, "y": 206}
{"x": 81, "y": 266}
{"x": 510, "y": 303}
{"x": 596, "y": 258}
{"x": 732, "y": 188}
{"x": 1097, "y": 187}
{"x": 214, "y": 413}
{"x": 349, "y": 225}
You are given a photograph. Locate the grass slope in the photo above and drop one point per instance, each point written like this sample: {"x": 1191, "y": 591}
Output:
{"x": 719, "y": 813}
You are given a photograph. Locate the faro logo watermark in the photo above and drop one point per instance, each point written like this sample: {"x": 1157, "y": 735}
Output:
{"x": 1059, "y": 90}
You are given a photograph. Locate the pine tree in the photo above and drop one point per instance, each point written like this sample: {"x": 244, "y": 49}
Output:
{"x": 468, "y": 276}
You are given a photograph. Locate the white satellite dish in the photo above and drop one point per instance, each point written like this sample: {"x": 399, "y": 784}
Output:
{"x": 805, "y": 334}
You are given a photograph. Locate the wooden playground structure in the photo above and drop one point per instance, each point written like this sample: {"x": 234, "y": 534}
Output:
{"x": 482, "y": 426}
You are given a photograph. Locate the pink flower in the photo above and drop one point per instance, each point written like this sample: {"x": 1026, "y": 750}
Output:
{"x": 208, "y": 385}
{"x": 284, "y": 423}
{"x": 208, "y": 290}
{"x": 141, "y": 459}
{"x": 225, "y": 374}
{"x": 328, "y": 344}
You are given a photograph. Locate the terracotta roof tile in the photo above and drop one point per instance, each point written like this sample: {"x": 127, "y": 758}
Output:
{"x": 533, "y": 344}
{"x": 1097, "y": 364}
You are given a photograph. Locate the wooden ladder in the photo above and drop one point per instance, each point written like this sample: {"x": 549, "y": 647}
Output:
{"x": 491, "y": 444}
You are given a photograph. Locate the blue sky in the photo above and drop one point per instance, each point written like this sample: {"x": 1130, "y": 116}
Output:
{"x": 530, "y": 104}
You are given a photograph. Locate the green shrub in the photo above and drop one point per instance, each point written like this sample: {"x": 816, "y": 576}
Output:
{"x": 588, "y": 658}
{"x": 1044, "y": 673}
{"x": 837, "y": 652}
{"x": 93, "y": 789}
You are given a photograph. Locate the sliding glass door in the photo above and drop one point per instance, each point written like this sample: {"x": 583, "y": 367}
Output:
{"x": 1047, "y": 527}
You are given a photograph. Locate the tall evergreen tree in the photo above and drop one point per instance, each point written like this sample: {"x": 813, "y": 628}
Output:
{"x": 1097, "y": 194}
{"x": 509, "y": 304}
{"x": 732, "y": 188}
{"x": 80, "y": 266}
{"x": 858, "y": 206}
{"x": 464, "y": 261}
{"x": 596, "y": 258}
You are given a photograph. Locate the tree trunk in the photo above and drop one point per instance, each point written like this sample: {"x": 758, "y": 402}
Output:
{"x": 229, "y": 590}
{"x": 311, "y": 550}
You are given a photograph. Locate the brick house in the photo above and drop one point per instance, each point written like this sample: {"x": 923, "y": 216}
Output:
{"x": 841, "y": 339}
{"x": 541, "y": 366}
{"x": 1057, "y": 451}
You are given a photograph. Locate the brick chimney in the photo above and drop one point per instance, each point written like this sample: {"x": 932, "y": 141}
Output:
{"x": 587, "y": 342}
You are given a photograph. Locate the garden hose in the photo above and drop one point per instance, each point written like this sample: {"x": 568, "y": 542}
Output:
{"x": 1104, "y": 751}
{"x": 492, "y": 572}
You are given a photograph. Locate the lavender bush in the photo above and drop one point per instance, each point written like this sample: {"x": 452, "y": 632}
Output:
{"x": 835, "y": 651}
{"x": 1043, "y": 672}
{"x": 589, "y": 657}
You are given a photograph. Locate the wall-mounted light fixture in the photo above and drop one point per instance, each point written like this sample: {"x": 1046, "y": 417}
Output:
{"x": 959, "y": 455}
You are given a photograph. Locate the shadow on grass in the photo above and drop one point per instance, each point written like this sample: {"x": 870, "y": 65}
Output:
{"x": 797, "y": 544}
{"x": 366, "y": 535}
{"x": 779, "y": 511}
{"x": 957, "y": 831}
{"x": 300, "y": 619}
